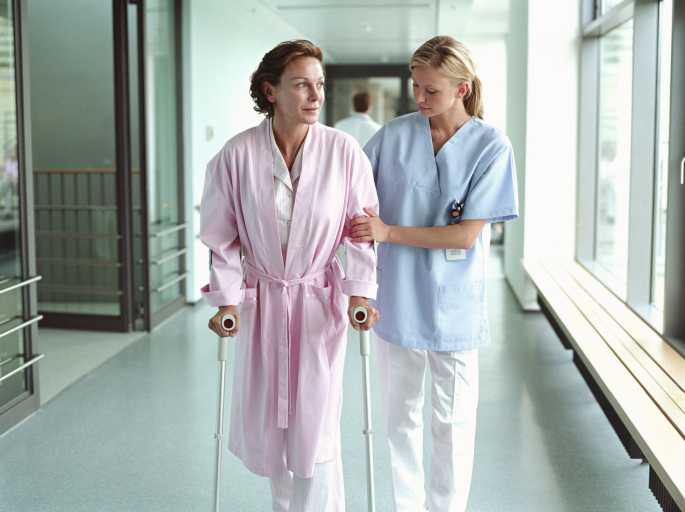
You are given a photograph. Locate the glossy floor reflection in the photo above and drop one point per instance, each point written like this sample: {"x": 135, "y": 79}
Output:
{"x": 136, "y": 434}
{"x": 71, "y": 354}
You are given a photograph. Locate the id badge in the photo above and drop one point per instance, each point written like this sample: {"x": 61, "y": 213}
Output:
{"x": 455, "y": 254}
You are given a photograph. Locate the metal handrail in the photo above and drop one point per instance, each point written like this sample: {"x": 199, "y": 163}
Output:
{"x": 29, "y": 281}
{"x": 77, "y": 236}
{"x": 80, "y": 261}
{"x": 86, "y": 290}
{"x": 67, "y": 207}
{"x": 167, "y": 231}
{"x": 8, "y": 361}
{"x": 16, "y": 328}
{"x": 82, "y": 207}
{"x": 168, "y": 257}
{"x": 30, "y": 362}
{"x": 84, "y": 170}
{"x": 178, "y": 278}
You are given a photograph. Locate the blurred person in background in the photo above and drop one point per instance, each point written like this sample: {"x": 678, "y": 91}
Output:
{"x": 360, "y": 124}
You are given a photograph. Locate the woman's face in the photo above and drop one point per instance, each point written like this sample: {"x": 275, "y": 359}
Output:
{"x": 299, "y": 96}
{"x": 435, "y": 94}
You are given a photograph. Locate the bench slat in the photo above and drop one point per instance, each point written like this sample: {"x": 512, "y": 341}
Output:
{"x": 668, "y": 397}
{"x": 663, "y": 354}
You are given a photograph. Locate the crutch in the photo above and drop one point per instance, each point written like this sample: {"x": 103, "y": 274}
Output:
{"x": 360, "y": 315}
{"x": 228, "y": 323}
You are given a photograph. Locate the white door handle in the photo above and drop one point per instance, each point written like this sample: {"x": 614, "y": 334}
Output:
{"x": 682, "y": 171}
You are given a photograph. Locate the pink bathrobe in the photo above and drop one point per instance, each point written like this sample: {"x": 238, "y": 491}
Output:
{"x": 290, "y": 350}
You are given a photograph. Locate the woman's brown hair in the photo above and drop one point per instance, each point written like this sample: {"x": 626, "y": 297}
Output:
{"x": 272, "y": 66}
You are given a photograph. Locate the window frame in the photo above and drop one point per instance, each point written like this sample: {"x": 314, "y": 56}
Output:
{"x": 674, "y": 293}
{"x": 26, "y": 404}
{"x": 636, "y": 292}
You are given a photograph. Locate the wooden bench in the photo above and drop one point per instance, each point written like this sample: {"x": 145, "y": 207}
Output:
{"x": 637, "y": 378}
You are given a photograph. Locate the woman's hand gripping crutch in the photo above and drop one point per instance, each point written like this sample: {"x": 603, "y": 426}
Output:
{"x": 225, "y": 323}
{"x": 363, "y": 317}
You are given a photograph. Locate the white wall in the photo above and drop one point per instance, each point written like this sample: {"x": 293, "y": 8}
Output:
{"x": 490, "y": 55}
{"x": 517, "y": 98}
{"x": 222, "y": 47}
{"x": 545, "y": 138}
{"x": 551, "y": 154}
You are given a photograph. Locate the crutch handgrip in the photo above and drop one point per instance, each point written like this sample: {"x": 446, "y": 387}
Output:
{"x": 228, "y": 322}
{"x": 360, "y": 314}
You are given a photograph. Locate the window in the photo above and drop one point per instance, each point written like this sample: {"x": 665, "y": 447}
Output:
{"x": 661, "y": 181}
{"x": 613, "y": 155}
{"x": 607, "y": 5}
{"x": 624, "y": 147}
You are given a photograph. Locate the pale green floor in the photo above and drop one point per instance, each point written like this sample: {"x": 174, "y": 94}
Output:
{"x": 71, "y": 354}
{"x": 136, "y": 434}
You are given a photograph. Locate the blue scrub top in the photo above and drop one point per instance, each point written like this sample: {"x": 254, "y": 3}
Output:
{"x": 425, "y": 300}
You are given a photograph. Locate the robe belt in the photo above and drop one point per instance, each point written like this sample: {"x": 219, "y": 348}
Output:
{"x": 283, "y": 378}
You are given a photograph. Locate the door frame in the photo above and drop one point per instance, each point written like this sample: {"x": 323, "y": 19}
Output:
{"x": 29, "y": 401}
{"x": 151, "y": 320}
{"x": 345, "y": 71}
{"x": 126, "y": 320}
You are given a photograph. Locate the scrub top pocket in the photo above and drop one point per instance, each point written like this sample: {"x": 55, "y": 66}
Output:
{"x": 460, "y": 310}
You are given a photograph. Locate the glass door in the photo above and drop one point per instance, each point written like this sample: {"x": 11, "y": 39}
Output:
{"x": 19, "y": 394}
{"x": 80, "y": 231}
{"x": 109, "y": 210}
{"x": 158, "y": 222}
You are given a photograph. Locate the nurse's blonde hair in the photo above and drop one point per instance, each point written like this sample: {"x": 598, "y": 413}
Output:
{"x": 453, "y": 59}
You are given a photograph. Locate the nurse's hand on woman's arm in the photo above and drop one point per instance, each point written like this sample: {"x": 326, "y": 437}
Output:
{"x": 215, "y": 321}
{"x": 369, "y": 229}
{"x": 456, "y": 236}
{"x": 373, "y": 313}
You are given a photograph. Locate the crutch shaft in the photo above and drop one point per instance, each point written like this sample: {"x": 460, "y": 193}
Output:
{"x": 364, "y": 344}
{"x": 222, "y": 356}
{"x": 368, "y": 432}
{"x": 360, "y": 314}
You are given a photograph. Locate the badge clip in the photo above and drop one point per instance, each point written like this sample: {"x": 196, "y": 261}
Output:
{"x": 453, "y": 217}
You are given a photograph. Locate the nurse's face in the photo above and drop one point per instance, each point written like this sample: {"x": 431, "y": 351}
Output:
{"x": 299, "y": 96}
{"x": 434, "y": 93}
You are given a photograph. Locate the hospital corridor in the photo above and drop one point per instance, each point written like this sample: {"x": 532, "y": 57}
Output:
{"x": 495, "y": 186}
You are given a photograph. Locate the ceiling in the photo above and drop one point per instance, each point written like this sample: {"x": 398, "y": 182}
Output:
{"x": 358, "y": 31}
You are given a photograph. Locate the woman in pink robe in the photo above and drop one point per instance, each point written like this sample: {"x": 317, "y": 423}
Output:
{"x": 290, "y": 299}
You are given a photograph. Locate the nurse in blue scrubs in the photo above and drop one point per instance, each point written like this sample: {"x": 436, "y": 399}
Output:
{"x": 443, "y": 175}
